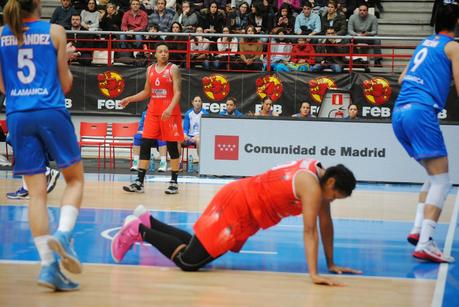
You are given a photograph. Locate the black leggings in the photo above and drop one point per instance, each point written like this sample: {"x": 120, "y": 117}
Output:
{"x": 167, "y": 239}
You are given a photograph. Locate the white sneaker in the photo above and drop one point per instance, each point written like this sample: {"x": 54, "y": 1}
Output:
{"x": 162, "y": 166}
{"x": 431, "y": 252}
{"x": 4, "y": 161}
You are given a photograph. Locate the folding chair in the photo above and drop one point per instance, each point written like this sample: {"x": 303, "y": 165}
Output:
{"x": 94, "y": 135}
{"x": 123, "y": 136}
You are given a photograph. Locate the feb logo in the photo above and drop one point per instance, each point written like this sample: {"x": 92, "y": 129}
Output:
{"x": 270, "y": 86}
{"x": 215, "y": 87}
{"x": 377, "y": 90}
{"x": 319, "y": 86}
{"x": 111, "y": 84}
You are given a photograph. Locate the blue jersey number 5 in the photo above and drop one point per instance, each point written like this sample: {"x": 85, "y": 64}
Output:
{"x": 25, "y": 57}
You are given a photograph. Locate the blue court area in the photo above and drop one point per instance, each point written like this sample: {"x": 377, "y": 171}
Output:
{"x": 378, "y": 248}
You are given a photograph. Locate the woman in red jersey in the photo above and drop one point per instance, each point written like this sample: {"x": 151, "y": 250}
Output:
{"x": 243, "y": 207}
{"x": 163, "y": 120}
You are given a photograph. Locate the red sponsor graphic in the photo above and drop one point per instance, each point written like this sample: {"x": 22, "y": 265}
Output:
{"x": 377, "y": 90}
{"x": 226, "y": 147}
{"x": 216, "y": 87}
{"x": 270, "y": 86}
{"x": 111, "y": 84}
{"x": 319, "y": 86}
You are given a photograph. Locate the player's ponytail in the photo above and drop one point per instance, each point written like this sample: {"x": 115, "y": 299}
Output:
{"x": 14, "y": 12}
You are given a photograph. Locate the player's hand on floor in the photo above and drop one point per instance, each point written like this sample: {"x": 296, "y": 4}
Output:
{"x": 319, "y": 280}
{"x": 343, "y": 270}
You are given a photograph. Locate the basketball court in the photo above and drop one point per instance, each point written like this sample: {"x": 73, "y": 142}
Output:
{"x": 370, "y": 231}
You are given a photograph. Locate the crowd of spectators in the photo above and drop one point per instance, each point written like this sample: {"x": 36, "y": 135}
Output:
{"x": 293, "y": 17}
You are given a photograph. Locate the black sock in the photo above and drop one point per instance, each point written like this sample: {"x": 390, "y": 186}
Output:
{"x": 174, "y": 176}
{"x": 180, "y": 234}
{"x": 141, "y": 175}
{"x": 165, "y": 243}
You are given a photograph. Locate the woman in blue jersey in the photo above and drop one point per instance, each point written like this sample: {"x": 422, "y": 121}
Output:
{"x": 425, "y": 86}
{"x": 34, "y": 75}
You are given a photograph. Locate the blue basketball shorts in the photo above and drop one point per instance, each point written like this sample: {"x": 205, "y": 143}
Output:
{"x": 417, "y": 128}
{"x": 35, "y": 135}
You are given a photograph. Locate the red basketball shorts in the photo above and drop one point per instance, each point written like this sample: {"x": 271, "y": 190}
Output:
{"x": 227, "y": 222}
{"x": 166, "y": 130}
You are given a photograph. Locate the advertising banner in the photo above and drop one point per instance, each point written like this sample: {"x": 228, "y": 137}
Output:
{"x": 245, "y": 147}
{"x": 98, "y": 90}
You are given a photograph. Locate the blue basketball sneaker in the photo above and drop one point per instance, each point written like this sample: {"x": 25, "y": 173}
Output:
{"x": 21, "y": 193}
{"x": 61, "y": 243}
{"x": 52, "y": 277}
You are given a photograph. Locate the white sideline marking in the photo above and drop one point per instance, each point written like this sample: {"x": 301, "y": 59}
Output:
{"x": 437, "y": 299}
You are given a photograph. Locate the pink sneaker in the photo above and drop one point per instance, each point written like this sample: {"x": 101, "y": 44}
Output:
{"x": 125, "y": 238}
{"x": 431, "y": 252}
{"x": 143, "y": 215}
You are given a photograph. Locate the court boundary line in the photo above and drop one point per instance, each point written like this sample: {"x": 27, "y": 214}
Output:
{"x": 32, "y": 262}
{"x": 439, "y": 293}
{"x": 200, "y": 212}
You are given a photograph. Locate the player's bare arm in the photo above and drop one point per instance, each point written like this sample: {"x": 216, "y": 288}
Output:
{"x": 327, "y": 234}
{"x": 310, "y": 194}
{"x": 2, "y": 85}
{"x": 59, "y": 40}
{"x": 142, "y": 95}
{"x": 402, "y": 75}
{"x": 452, "y": 51}
{"x": 177, "y": 84}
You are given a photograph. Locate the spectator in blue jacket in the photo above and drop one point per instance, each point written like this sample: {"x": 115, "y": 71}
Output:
{"x": 231, "y": 108}
{"x": 308, "y": 23}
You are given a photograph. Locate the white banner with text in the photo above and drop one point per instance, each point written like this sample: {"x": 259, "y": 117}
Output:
{"x": 248, "y": 146}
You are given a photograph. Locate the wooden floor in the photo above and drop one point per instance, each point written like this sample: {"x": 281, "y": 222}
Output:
{"x": 121, "y": 285}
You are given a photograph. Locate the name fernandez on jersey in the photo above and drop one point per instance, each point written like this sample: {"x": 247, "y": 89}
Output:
{"x": 29, "y": 39}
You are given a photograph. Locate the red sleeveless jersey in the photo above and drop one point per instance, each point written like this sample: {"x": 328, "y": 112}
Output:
{"x": 271, "y": 195}
{"x": 162, "y": 90}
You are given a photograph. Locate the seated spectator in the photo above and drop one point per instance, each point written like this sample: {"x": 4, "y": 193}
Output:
{"x": 302, "y": 57}
{"x": 305, "y": 111}
{"x": 212, "y": 20}
{"x": 84, "y": 57}
{"x": 266, "y": 108}
{"x": 134, "y": 20}
{"x": 285, "y": 19}
{"x": 363, "y": 24}
{"x": 294, "y": 5}
{"x": 231, "y": 108}
{"x": 307, "y": 23}
{"x": 177, "y": 45}
{"x": 220, "y": 3}
{"x": 268, "y": 8}
{"x": 319, "y": 6}
{"x": 261, "y": 21}
{"x": 333, "y": 18}
{"x": 250, "y": 52}
{"x": 192, "y": 123}
{"x": 280, "y": 51}
{"x": 353, "y": 111}
{"x": 239, "y": 19}
{"x": 151, "y": 40}
{"x": 187, "y": 18}
{"x": 162, "y": 17}
{"x": 330, "y": 46}
{"x": 227, "y": 48}
{"x": 200, "y": 50}
{"x": 62, "y": 15}
{"x": 90, "y": 17}
{"x": 123, "y": 5}
{"x": 111, "y": 18}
